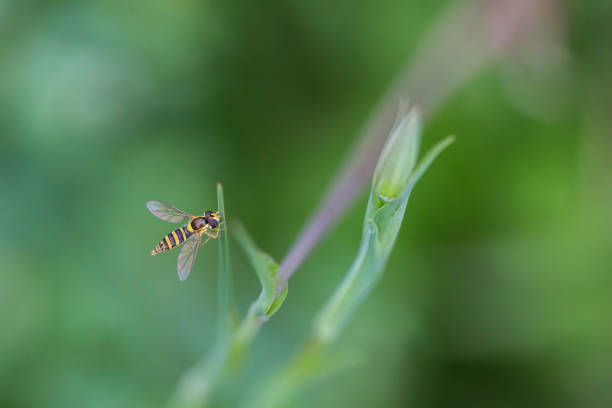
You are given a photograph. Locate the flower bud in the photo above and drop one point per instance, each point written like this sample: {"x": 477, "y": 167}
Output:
{"x": 399, "y": 155}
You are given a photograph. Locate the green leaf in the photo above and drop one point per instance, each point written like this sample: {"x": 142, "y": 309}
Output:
{"x": 278, "y": 302}
{"x": 265, "y": 268}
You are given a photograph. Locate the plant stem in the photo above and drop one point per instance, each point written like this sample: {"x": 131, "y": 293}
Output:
{"x": 224, "y": 293}
{"x": 466, "y": 38}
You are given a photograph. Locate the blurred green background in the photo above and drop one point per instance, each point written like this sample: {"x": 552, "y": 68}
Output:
{"x": 498, "y": 293}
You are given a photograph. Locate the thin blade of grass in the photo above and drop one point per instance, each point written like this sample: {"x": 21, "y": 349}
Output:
{"x": 225, "y": 310}
{"x": 196, "y": 384}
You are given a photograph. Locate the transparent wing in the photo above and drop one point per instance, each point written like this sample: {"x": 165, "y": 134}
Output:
{"x": 187, "y": 256}
{"x": 167, "y": 212}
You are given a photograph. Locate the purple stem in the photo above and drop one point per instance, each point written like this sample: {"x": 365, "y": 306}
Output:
{"x": 468, "y": 36}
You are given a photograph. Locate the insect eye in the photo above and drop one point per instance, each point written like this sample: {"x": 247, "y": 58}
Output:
{"x": 208, "y": 214}
{"x": 212, "y": 222}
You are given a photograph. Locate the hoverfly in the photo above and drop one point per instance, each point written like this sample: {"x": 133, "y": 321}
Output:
{"x": 190, "y": 234}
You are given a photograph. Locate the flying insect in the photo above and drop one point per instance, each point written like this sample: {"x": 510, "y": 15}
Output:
{"x": 190, "y": 234}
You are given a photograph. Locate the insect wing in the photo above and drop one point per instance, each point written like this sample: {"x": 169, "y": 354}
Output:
{"x": 187, "y": 256}
{"x": 167, "y": 212}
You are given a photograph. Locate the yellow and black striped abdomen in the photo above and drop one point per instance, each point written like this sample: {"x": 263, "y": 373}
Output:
{"x": 173, "y": 239}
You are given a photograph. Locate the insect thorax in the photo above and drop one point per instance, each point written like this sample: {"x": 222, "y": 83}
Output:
{"x": 198, "y": 223}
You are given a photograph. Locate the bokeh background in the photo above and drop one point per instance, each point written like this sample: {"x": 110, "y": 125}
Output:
{"x": 498, "y": 293}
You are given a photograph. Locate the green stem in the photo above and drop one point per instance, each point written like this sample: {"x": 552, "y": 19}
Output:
{"x": 224, "y": 307}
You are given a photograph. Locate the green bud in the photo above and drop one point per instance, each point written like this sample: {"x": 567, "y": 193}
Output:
{"x": 399, "y": 155}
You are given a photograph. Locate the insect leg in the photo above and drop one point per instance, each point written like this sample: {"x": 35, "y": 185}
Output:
{"x": 207, "y": 239}
{"x": 211, "y": 234}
